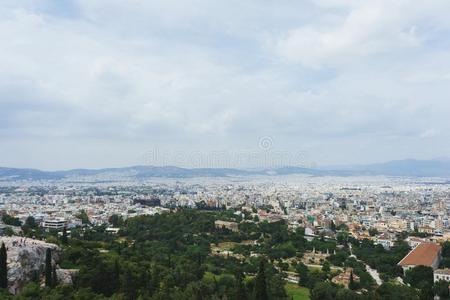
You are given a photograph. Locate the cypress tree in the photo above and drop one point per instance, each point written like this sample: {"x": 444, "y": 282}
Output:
{"x": 351, "y": 283}
{"x": 3, "y": 267}
{"x": 48, "y": 268}
{"x": 260, "y": 283}
{"x": 241, "y": 293}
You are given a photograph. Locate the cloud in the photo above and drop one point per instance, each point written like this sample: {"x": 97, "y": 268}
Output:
{"x": 326, "y": 77}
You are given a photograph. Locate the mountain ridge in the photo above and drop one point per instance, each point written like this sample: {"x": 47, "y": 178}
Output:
{"x": 406, "y": 168}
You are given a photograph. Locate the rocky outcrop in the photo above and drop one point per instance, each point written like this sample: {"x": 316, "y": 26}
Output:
{"x": 65, "y": 276}
{"x": 26, "y": 260}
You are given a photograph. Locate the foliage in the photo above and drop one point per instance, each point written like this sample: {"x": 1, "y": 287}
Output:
{"x": 324, "y": 291}
{"x": 389, "y": 291}
{"x": 440, "y": 289}
{"x": 48, "y": 268}
{"x": 419, "y": 275}
{"x": 296, "y": 293}
{"x": 3, "y": 267}
{"x": 384, "y": 261}
{"x": 10, "y": 220}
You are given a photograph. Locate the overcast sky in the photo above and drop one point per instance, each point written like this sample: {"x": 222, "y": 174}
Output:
{"x": 109, "y": 83}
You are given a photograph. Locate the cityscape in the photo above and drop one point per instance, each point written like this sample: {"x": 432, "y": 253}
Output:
{"x": 224, "y": 150}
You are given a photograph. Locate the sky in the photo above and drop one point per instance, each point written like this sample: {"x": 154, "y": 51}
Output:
{"x": 106, "y": 83}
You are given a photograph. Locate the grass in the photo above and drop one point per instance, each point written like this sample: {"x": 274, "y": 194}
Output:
{"x": 297, "y": 292}
{"x": 227, "y": 245}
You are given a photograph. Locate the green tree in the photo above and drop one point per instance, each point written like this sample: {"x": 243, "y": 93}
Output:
{"x": 260, "y": 282}
{"x": 48, "y": 268}
{"x": 8, "y": 231}
{"x": 31, "y": 222}
{"x": 326, "y": 267}
{"x": 389, "y": 291}
{"x": 303, "y": 274}
{"x": 419, "y": 274}
{"x": 82, "y": 215}
{"x": 64, "y": 239}
{"x": 440, "y": 289}
{"x": 351, "y": 283}
{"x": 3, "y": 267}
{"x": 425, "y": 290}
{"x": 373, "y": 231}
{"x": 241, "y": 293}
{"x": 10, "y": 220}
{"x": 346, "y": 294}
{"x": 115, "y": 220}
{"x": 323, "y": 291}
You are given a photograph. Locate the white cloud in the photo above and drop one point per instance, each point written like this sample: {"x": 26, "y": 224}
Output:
{"x": 326, "y": 77}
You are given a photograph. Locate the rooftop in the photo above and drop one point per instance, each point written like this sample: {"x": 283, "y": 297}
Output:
{"x": 423, "y": 255}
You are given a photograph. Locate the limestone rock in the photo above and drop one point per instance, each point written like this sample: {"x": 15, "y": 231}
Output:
{"x": 26, "y": 260}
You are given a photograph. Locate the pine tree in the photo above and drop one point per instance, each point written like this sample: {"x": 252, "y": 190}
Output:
{"x": 260, "y": 283}
{"x": 48, "y": 268}
{"x": 3, "y": 267}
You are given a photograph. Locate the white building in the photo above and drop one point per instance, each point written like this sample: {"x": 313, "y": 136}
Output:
{"x": 441, "y": 274}
{"x": 56, "y": 223}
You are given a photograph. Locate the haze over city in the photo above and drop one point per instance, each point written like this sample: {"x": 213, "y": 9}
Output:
{"x": 89, "y": 84}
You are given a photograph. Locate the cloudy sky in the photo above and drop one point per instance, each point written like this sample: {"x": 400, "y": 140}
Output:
{"x": 94, "y": 83}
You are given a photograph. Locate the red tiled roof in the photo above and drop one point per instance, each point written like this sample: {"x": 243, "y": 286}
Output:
{"x": 423, "y": 255}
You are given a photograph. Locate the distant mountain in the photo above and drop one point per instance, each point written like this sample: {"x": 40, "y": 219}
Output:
{"x": 26, "y": 174}
{"x": 409, "y": 167}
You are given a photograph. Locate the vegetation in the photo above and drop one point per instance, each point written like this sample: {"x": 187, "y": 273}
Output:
{"x": 296, "y": 292}
{"x": 48, "y": 268}
{"x": 169, "y": 256}
{"x": 10, "y": 220}
{"x": 3, "y": 267}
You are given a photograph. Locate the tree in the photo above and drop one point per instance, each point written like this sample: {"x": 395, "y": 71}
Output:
{"x": 260, "y": 283}
{"x": 425, "y": 291}
{"x": 82, "y": 215}
{"x": 115, "y": 220}
{"x": 389, "y": 291}
{"x": 323, "y": 291}
{"x": 8, "y": 231}
{"x": 31, "y": 222}
{"x": 419, "y": 274}
{"x": 48, "y": 268}
{"x": 241, "y": 293}
{"x": 10, "y": 220}
{"x": 326, "y": 267}
{"x": 3, "y": 267}
{"x": 440, "y": 289}
{"x": 346, "y": 294}
{"x": 64, "y": 239}
{"x": 303, "y": 274}
{"x": 373, "y": 231}
{"x": 351, "y": 282}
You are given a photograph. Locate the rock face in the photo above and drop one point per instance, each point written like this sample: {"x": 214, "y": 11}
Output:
{"x": 26, "y": 260}
{"x": 65, "y": 276}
